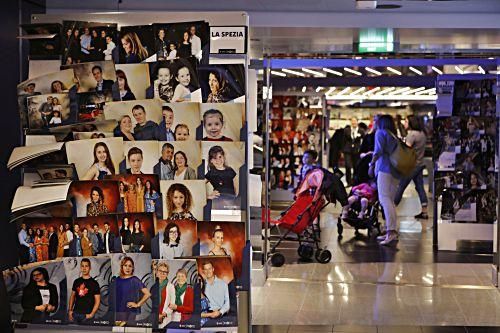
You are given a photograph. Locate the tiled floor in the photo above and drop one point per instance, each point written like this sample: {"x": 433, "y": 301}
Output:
{"x": 368, "y": 285}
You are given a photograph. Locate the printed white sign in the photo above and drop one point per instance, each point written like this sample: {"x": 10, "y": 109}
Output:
{"x": 230, "y": 40}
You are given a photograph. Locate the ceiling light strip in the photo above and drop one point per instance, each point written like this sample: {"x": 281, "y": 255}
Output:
{"x": 416, "y": 71}
{"x": 373, "y": 71}
{"x": 289, "y": 71}
{"x": 352, "y": 71}
{"x": 315, "y": 73}
{"x": 437, "y": 70}
{"x": 331, "y": 71}
{"x": 395, "y": 71}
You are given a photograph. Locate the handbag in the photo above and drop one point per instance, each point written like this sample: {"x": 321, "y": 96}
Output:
{"x": 403, "y": 158}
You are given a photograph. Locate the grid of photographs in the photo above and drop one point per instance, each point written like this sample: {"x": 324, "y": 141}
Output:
{"x": 466, "y": 175}
{"x": 146, "y": 164}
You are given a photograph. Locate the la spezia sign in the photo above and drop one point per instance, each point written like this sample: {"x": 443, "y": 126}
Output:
{"x": 229, "y": 40}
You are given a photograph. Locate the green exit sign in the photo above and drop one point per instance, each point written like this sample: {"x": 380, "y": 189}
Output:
{"x": 376, "y": 40}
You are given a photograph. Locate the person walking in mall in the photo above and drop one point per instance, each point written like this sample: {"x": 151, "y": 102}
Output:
{"x": 387, "y": 176}
{"x": 416, "y": 139}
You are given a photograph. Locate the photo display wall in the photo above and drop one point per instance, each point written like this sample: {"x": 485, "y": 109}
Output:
{"x": 154, "y": 141}
{"x": 466, "y": 174}
{"x": 295, "y": 128}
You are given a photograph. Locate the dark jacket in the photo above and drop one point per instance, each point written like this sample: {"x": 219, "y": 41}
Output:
{"x": 113, "y": 243}
{"x": 146, "y": 132}
{"x": 31, "y": 298}
{"x": 161, "y": 131}
{"x": 107, "y": 85}
{"x": 129, "y": 96}
{"x": 53, "y": 243}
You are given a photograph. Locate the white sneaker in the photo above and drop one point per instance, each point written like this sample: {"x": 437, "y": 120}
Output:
{"x": 391, "y": 237}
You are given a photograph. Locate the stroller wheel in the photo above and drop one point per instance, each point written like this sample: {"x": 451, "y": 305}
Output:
{"x": 305, "y": 251}
{"x": 277, "y": 259}
{"x": 323, "y": 256}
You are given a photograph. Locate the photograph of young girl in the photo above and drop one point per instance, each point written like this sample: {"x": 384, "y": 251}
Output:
{"x": 37, "y": 293}
{"x": 135, "y": 120}
{"x": 91, "y": 105}
{"x": 174, "y": 239}
{"x": 186, "y": 84}
{"x": 139, "y": 193}
{"x": 149, "y": 155}
{"x": 222, "y": 83}
{"x": 53, "y": 83}
{"x": 130, "y": 289}
{"x": 136, "y": 44}
{"x": 96, "y": 158}
{"x": 88, "y": 290}
{"x": 103, "y": 233}
{"x": 136, "y": 231}
{"x": 222, "y": 164}
{"x": 222, "y": 122}
{"x": 95, "y": 76}
{"x": 223, "y": 239}
{"x": 183, "y": 199}
{"x": 48, "y": 111}
{"x": 94, "y": 197}
{"x": 175, "y": 283}
{"x": 183, "y": 121}
{"x": 179, "y": 161}
{"x": 218, "y": 292}
{"x": 133, "y": 80}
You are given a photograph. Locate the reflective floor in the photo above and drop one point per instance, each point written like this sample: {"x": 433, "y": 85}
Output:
{"x": 369, "y": 285}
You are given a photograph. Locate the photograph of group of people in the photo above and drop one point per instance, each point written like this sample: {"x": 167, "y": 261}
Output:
{"x": 294, "y": 130}
{"x": 475, "y": 98}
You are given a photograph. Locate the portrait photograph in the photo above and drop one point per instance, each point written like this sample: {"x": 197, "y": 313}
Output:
{"x": 162, "y": 81}
{"x": 131, "y": 286}
{"x": 136, "y": 120}
{"x": 88, "y": 41}
{"x": 102, "y": 232}
{"x": 149, "y": 151}
{"x": 183, "y": 199}
{"x": 139, "y": 193}
{"x": 49, "y": 110}
{"x": 37, "y": 293}
{"x": 175, "y": 239}
{"x": 223, "y": 161}
{"x": 43, "y": 48}
{"x": 176, "y": 284}
{"x": 88, "y": 280}
{"x": 43, "y": 238}
{"x": 136, "y": 44}
{"x": 53, "y": 83}
{"x": 91, "y": 105}
{"x": 91, "y": 135}
{"x": 95, "y": 76}
{"x": 66, "y": 132}
{"x": 223, "y": 239}
{"x": 458, "y": 206}
{"x": 218, "y": 292}
{"x": 182, "y": 40}
{"x": 180, "y": 119}
{"x": 179, "y": 161}
{"x": 222, "y": 83}
{"x": 94, "y": 197}
{"x": 95, "y": 158}
{"x": 222, "y": 122}
{"x": 133, "y": 80}
{"x": 136, "y": 231}
{"x": 56, "y": 172}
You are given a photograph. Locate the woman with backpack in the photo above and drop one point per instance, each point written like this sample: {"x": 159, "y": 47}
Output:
{"x": 388, "y": 177}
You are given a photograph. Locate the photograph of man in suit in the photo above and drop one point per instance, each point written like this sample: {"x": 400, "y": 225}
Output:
{"x": 102, "y": 85}
{"x": 165, "y": 168}
{"x": 53, "y": 243}
{"x": 109, "y": 240}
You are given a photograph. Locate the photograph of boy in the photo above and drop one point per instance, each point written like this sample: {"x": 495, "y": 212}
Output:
{"x": 136, "y": 232}
{"x": 183, "y": 199}
{"x": 94, "y": 197}
{"x": 37, "y": 294}
{"x": 96, "y": 158}
{"x": 223, "y": 239}
{"x": 218, "y": 292}
{"x": 84, "y": 290}
{"x": 48, "y": 110}
{"x": 133, "y": 80}
{"x": 222, "y": 83}
{"x": 102, "y": 232}
{"x": 97, "y": 76}
{"x": 136, "y": 120}
{"x": 136, "y": 44}
{"x": 174, "y": 239}
{"x": 53, "y": 83}
{"x": 39, "y": 239}
{"x": 174, "y": 292}
{"x": 180, "y": 122}
{"x": 139, "y": 193}
{"x": 223, "y": 161}
{"x": 149, "y": 155}
{"x": 162, "y": 81}
{"x": 222, "y": 122}
{"x": 130, "y": 289}
{"x": 178, "y": 161}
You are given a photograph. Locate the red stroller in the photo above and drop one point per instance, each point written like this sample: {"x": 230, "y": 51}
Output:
{"x": 318, "y": 189}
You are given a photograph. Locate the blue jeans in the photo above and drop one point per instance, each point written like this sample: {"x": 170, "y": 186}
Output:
{"x": 418, "y": 178}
